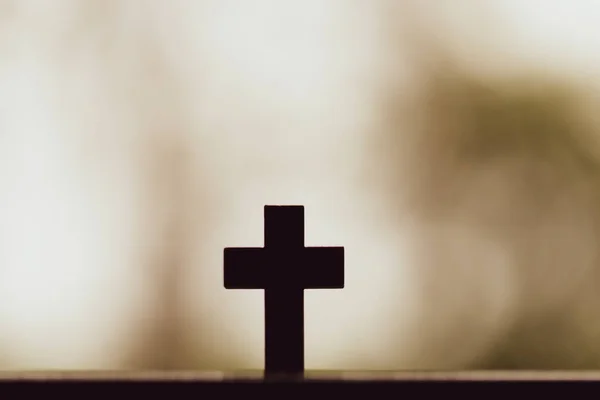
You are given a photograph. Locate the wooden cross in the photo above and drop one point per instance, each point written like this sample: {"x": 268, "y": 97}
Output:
{"x": 284, "y": 268}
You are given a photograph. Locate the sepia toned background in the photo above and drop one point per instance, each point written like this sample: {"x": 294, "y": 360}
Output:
{"x": 450, "y": 147}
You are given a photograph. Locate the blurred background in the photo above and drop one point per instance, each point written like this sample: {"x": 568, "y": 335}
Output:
{"x": 452, "y": 148}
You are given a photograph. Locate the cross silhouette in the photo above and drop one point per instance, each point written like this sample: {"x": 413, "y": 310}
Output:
{"x": 284, "y": 268}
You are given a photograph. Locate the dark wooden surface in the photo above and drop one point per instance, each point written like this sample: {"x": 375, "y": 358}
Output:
{"x": 357, "y": 376}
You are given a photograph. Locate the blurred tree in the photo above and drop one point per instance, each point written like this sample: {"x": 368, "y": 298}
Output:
{"x": 512, "y": 159}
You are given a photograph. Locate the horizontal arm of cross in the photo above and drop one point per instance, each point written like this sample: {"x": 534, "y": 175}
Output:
{"x": 245, "y": 268}
{"x": 323, "y": 268}
{"x": 306, "y": 268}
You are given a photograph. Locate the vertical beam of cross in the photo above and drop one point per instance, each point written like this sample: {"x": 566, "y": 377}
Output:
{"x": 284, "y": 268}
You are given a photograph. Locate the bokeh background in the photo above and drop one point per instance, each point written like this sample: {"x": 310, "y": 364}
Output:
{"x": 451, "y": 147}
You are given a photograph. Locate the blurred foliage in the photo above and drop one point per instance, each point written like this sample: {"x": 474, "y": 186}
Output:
{"x": 528, "y": 119}
{"x": 461, "y": 125}
{"x": 461, "y": 122}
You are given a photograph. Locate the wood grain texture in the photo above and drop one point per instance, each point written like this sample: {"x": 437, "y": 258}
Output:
{"x": 364, "y": 376}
